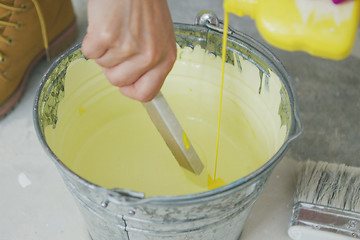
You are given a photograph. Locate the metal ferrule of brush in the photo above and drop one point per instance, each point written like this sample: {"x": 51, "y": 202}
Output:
{"x": 338, "y": 223}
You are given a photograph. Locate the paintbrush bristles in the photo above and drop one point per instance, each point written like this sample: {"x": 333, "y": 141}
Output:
{"x": 329, "y": 184}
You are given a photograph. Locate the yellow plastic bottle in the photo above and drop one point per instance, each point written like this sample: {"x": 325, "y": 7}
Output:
{"x": 318, "y": 27}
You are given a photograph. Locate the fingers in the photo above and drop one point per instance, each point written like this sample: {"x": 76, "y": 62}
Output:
{"x": 117, "y": 55}
{"x": 92, "y": 47}
{"x": 148, "y": 85}
{"x": 127, "y": 72}
{"x": 138, "y": 80}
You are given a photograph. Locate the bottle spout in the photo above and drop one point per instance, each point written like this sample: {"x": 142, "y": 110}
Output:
{"x": 241, "y": 7}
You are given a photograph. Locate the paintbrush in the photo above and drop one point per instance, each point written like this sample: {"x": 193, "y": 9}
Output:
{"x": 327, "y": 202}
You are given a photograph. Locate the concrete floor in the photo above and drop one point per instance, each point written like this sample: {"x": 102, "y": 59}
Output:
{"x": 36, "y": 205}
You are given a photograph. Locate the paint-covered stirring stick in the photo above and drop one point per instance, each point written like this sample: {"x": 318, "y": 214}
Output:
{"x": 173, "y": 134}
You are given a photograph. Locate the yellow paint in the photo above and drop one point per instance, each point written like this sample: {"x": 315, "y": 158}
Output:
{"x": 224, "y": 42}
{"x": 212, "y": 184}
{"x": 114, "y": 143}
{"x": 186, "y": 140}
{"x": 81, "y": 111}
{"x": 318, "y": 27}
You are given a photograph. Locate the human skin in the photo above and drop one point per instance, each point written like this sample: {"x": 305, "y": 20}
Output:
{"x": 134, "y": 43}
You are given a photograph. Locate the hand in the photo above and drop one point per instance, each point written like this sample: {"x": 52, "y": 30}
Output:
{"x": 134, "y": 43}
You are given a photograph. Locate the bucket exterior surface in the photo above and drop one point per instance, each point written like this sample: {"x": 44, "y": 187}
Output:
{"x": 116, "y": 214}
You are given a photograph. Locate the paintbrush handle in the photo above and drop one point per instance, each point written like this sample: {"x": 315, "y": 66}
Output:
{"x": 315, "y": 222}
{"x": 173, "y": 134}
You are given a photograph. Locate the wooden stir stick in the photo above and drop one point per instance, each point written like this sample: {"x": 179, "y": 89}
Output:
{"x": 173, "y": 134}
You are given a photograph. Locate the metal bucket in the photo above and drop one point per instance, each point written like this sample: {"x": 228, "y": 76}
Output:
{"x": 217, "y": 214}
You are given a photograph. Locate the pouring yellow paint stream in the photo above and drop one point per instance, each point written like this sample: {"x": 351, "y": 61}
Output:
{"x": 218, "y": 182}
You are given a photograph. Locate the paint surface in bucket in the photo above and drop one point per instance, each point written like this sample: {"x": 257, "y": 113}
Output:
{"x": 109, "y": 140}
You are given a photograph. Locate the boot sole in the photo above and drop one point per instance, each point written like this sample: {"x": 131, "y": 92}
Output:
{"x": 56, "y": 47}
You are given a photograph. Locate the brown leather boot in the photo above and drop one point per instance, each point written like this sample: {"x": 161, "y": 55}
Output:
{"x": 29, "y": 29}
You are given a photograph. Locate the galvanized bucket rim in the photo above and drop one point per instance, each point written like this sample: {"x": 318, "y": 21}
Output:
{"x": 295, "y": 131}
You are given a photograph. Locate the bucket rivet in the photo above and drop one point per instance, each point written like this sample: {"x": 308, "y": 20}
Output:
{"x": 131, "y": 211}
{"x": 105, "y": 203}
{"x": 207, "y": 17}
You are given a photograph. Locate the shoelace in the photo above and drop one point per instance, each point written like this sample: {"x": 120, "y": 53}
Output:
{"x": 18, "y": 25}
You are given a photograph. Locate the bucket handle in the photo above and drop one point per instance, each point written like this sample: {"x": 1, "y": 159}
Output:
{"x": 210, "y": 20}
{"x": 298, "y": 125}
